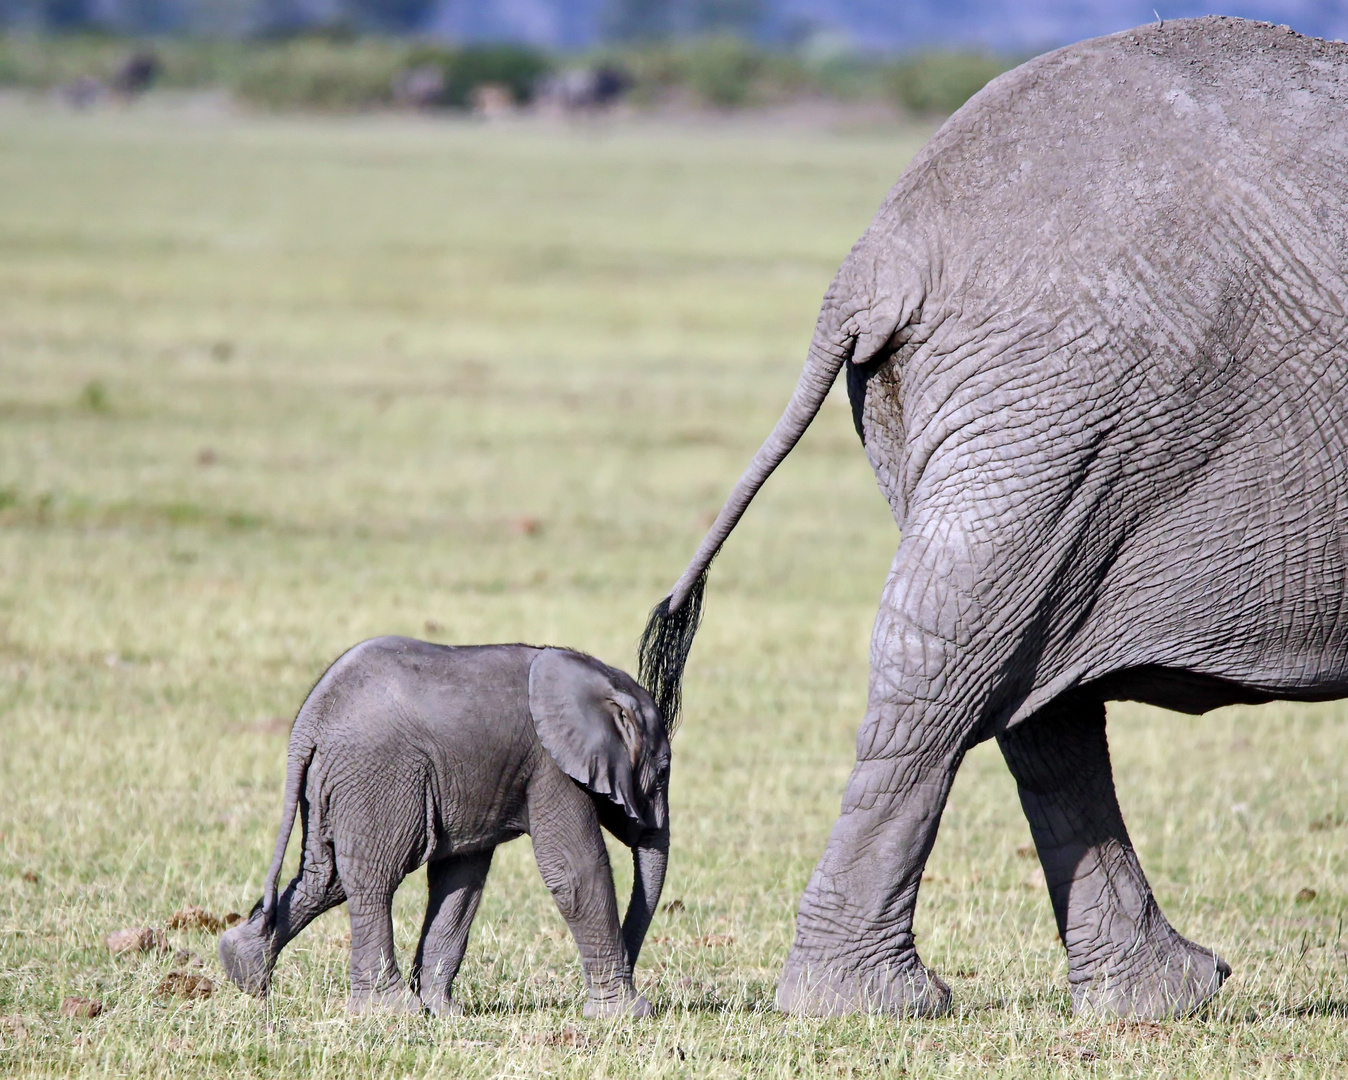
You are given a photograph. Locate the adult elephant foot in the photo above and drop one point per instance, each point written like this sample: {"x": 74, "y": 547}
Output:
{"x": 1165, "y": 976}
{"x": 830, "y": 989}
{"x": 1124, "y": 959}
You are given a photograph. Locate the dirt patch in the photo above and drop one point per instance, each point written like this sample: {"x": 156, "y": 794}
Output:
{"x": 1119, "y": 1031}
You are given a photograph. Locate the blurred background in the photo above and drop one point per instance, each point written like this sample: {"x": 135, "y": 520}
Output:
{"x": 921, "y": 55}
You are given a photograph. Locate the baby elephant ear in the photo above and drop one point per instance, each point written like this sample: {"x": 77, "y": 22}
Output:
{"x": 588, "y": 725}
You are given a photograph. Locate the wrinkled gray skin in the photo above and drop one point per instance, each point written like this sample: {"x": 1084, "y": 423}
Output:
{"x": 1096, "y": 347}
{"x": 408, "y": 753}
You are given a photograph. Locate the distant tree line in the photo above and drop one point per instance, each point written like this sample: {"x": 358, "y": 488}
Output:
{"x": 340, "y": 72}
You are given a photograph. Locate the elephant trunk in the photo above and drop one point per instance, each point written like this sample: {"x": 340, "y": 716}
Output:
{"x": 650, "y": 857}
{"x": 668, "y": 636}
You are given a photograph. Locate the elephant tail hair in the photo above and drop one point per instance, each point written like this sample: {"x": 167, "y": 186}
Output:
{"x": 297, "y": 769}
{"x": 668, "y": 637}
{"x": 664, "y": 648}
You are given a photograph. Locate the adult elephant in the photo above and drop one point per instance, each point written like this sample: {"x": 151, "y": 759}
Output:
{"x": 1097, "y": 352}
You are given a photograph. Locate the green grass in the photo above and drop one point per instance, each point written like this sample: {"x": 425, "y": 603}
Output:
{"x": 268, "y": 387}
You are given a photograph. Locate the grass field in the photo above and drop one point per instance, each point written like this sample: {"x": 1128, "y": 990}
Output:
{"x": 268, "y": 387}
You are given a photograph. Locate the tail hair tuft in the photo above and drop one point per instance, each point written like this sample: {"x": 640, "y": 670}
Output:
{"x": 663, "y": 652}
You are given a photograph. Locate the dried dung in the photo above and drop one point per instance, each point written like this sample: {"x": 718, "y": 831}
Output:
{"x": 136, "y": 939}
{"x": 192, "y": 917}
{"x": 185, "y": 984}
{"x": 81, "y": 1008}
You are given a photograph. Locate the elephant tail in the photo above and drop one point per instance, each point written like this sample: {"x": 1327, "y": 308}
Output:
{"x": 302, "y": 748}
{"x": 668, "y": 637}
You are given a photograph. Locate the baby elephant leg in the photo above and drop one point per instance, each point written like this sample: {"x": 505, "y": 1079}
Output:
{"x": 248, "y": 952}
{"x": 376, "y": 982}
{"x": 455, "y": 887}
{"x": 574, "y": 863}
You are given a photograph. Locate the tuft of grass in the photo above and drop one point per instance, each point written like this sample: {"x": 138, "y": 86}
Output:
{"x": 94, "y": 397}
{"x": 440, "y": 334}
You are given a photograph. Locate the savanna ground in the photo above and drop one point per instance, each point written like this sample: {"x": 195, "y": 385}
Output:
{"x": 271, "y": 386}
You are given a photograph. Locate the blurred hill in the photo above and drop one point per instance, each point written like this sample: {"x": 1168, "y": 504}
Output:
{"x": 1003, "y": 26}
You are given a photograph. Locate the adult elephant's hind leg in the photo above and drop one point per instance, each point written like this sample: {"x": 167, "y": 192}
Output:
{"x": 854, "y": 948}
{"x": 1124, "y": 958}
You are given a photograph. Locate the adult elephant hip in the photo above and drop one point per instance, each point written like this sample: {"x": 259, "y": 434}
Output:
{"x": 1097, "y": 352}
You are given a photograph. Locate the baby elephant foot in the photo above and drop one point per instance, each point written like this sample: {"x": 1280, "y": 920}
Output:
{"x": 829, "y": 989}
{"x": 629, "y": 1003}
{"x": 396, "y": 999}
{"x": 245, "y": 954}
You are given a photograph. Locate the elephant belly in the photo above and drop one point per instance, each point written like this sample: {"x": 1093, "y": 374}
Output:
{"x": 1235, "y": 593}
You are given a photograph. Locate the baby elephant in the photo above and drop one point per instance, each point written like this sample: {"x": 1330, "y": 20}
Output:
{"x": 408, "y": 753}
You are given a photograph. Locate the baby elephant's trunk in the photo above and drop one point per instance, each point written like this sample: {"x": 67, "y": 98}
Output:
{"x": 650, "y": 857}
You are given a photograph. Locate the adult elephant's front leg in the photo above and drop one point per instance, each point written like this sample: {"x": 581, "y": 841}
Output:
{"x": 1123, "y": 957}
{"x": 854, "y": 948}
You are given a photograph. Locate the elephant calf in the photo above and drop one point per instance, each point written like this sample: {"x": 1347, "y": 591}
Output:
{"x": 408, "y": 753}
